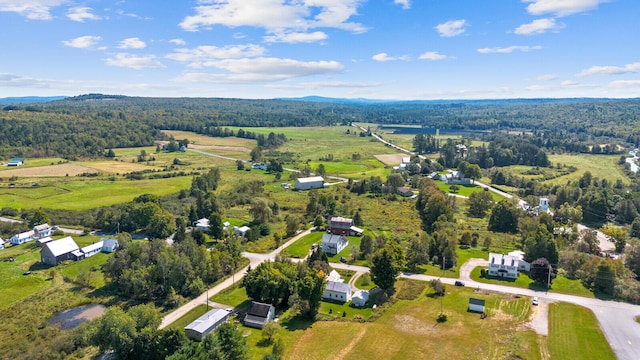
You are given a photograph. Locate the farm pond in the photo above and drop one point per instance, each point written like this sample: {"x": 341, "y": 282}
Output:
{"x": 73, "y": 317}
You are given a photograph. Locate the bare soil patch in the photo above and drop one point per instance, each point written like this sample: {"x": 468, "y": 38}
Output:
{"x": 391, "y": 159}
{"x": 220, "y": 147}
{"x": 120, "y": 167}
{"x": 69, "y": 169}
{"x": 73, "y": 317}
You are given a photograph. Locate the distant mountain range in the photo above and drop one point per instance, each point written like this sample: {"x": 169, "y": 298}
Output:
{"x": 29, "y": 99}
{"x": 502, "y": 102}
{"x": 343, "y": 101}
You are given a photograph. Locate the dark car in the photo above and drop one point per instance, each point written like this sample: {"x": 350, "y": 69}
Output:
{"x": 343, "y": 259}
{"x": 458, "y": 283}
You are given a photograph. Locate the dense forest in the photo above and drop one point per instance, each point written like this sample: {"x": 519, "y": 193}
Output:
{"x": 86, "y": 125}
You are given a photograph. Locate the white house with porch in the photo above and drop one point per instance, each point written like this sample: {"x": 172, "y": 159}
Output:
{"x": 506, "y": 266}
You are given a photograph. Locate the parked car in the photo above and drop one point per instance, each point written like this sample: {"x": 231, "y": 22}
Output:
{"x": 458, "y": 283}
{"x": 343, "y": 260}
{"x": 535, "y": 300}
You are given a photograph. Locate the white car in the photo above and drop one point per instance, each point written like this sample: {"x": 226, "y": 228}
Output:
{"x": 535, "y": 300}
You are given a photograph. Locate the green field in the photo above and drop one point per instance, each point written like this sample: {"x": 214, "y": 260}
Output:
{"x": 574, "y": 333}
{"x": 600, "y": 166}
{"x": 465, "y": 190}
{"x": 83, "y": 194}
{"x": 409, "y": 329}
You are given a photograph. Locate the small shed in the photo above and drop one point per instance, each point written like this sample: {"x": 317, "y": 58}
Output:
{"x": 16, "y": 162}
{"x": 360, "y": 298}
{"x": 259, "y": 314}
{"x": 43, "y": 241}
{"x": 109, "y": 245}
{"x": 476, "y": 305}
{"x": 206, "y": 323}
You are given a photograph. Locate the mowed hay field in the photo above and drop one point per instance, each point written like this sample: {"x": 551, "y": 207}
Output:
{"x": 600, "y": 166}
{"x": 410, "y": 330}
{"x": 67, "y": 169}
{"x": 203, "y": 140}
{"x": 392, "y": 159}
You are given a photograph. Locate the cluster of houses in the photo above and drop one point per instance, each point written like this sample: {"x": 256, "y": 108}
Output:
{"x": 38, "y": 232}
{"x": 56, "y": 251}
{"x": 337, "y": 231}
{"x": 203, "y": 225}
{"x": 337, "y": 291}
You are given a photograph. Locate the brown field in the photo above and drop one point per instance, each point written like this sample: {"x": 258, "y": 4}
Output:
{"x": 69, "y": 169}
{"x": 203, "y": 140}
{"x": 120, "y": 167}
{"x": 220, "y": 147}
{"x": 391, "y": 159}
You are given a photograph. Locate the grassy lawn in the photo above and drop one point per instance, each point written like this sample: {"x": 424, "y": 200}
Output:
{"x": 574, "y": 333}
{"x": 331, "y": 310}
{"x": 91, "y": 265}
{"x": 235, "y": 297}
{"x": 560, "y": 284}
{"x": 409, "y": 329}
{"x": 14, "y": 286}
{"x": 465, "y": 190}
{"x": 360, "y": 283}
{"x": 301, "y": 248}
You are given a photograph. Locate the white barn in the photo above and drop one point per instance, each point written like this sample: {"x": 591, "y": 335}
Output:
{"x": 308, "y": 183}
{"x": 92, "y": 249}
{"x": 206, "y": 323}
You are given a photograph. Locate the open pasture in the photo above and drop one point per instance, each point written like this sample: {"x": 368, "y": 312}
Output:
{"x": 600, "y": 166}
{"x": 409, "y": 330}
{"x": 66, "y": 169}
{"x": 204, "y": 140}
{"x": 392, "y": 159}
{"x": 116, "y": 167}
{"x": 85, "y": 193}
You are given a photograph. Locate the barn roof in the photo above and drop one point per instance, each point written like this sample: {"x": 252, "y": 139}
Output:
{"x": 61, "y": 246}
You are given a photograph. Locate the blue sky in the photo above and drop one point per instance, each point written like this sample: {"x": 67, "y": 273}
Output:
{"x": 378, "y": 49}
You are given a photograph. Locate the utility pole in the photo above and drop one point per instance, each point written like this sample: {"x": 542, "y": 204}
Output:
{"x": 442, "y": 295}
{"x": 549, "y": 278}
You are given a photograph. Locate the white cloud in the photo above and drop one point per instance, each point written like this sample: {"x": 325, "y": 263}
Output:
{"x": 275, "y": 15}
{"x": 508, "y": 50}
{"x": 80, "y": 14}
{"x": 132, "y": 43}
{"x": 382, "y": 57}
{"x": 297, "y": 37}
{"x": 561, "y": 7}
{"x": 134, "y": 61}
{"x": 178, "y": 42}
{"x": 432, "y": 55}
{"x": 569, "y": 83}
{"x": 547, "y": 77}
{"x": 539, "y": 26}
{"x": 610, "y": 70}
{"x": 31, "y": 9}
{"x": 451, "y": 28}
{"x": 406, "y": 4}
{"x": 624, "y": 83}
{"x": 262, "y": 69}
{"x": 82, "y": 42}
{"x": 312, "y": 85}
{"x": 199, "y": 56}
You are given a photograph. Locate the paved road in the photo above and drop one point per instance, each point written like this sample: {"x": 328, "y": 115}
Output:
{"x": 616, "y": 318}
{"x": 254, "y": 260}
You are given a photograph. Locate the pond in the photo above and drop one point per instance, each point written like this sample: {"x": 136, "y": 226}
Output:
{"x": 73, "y": 317}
